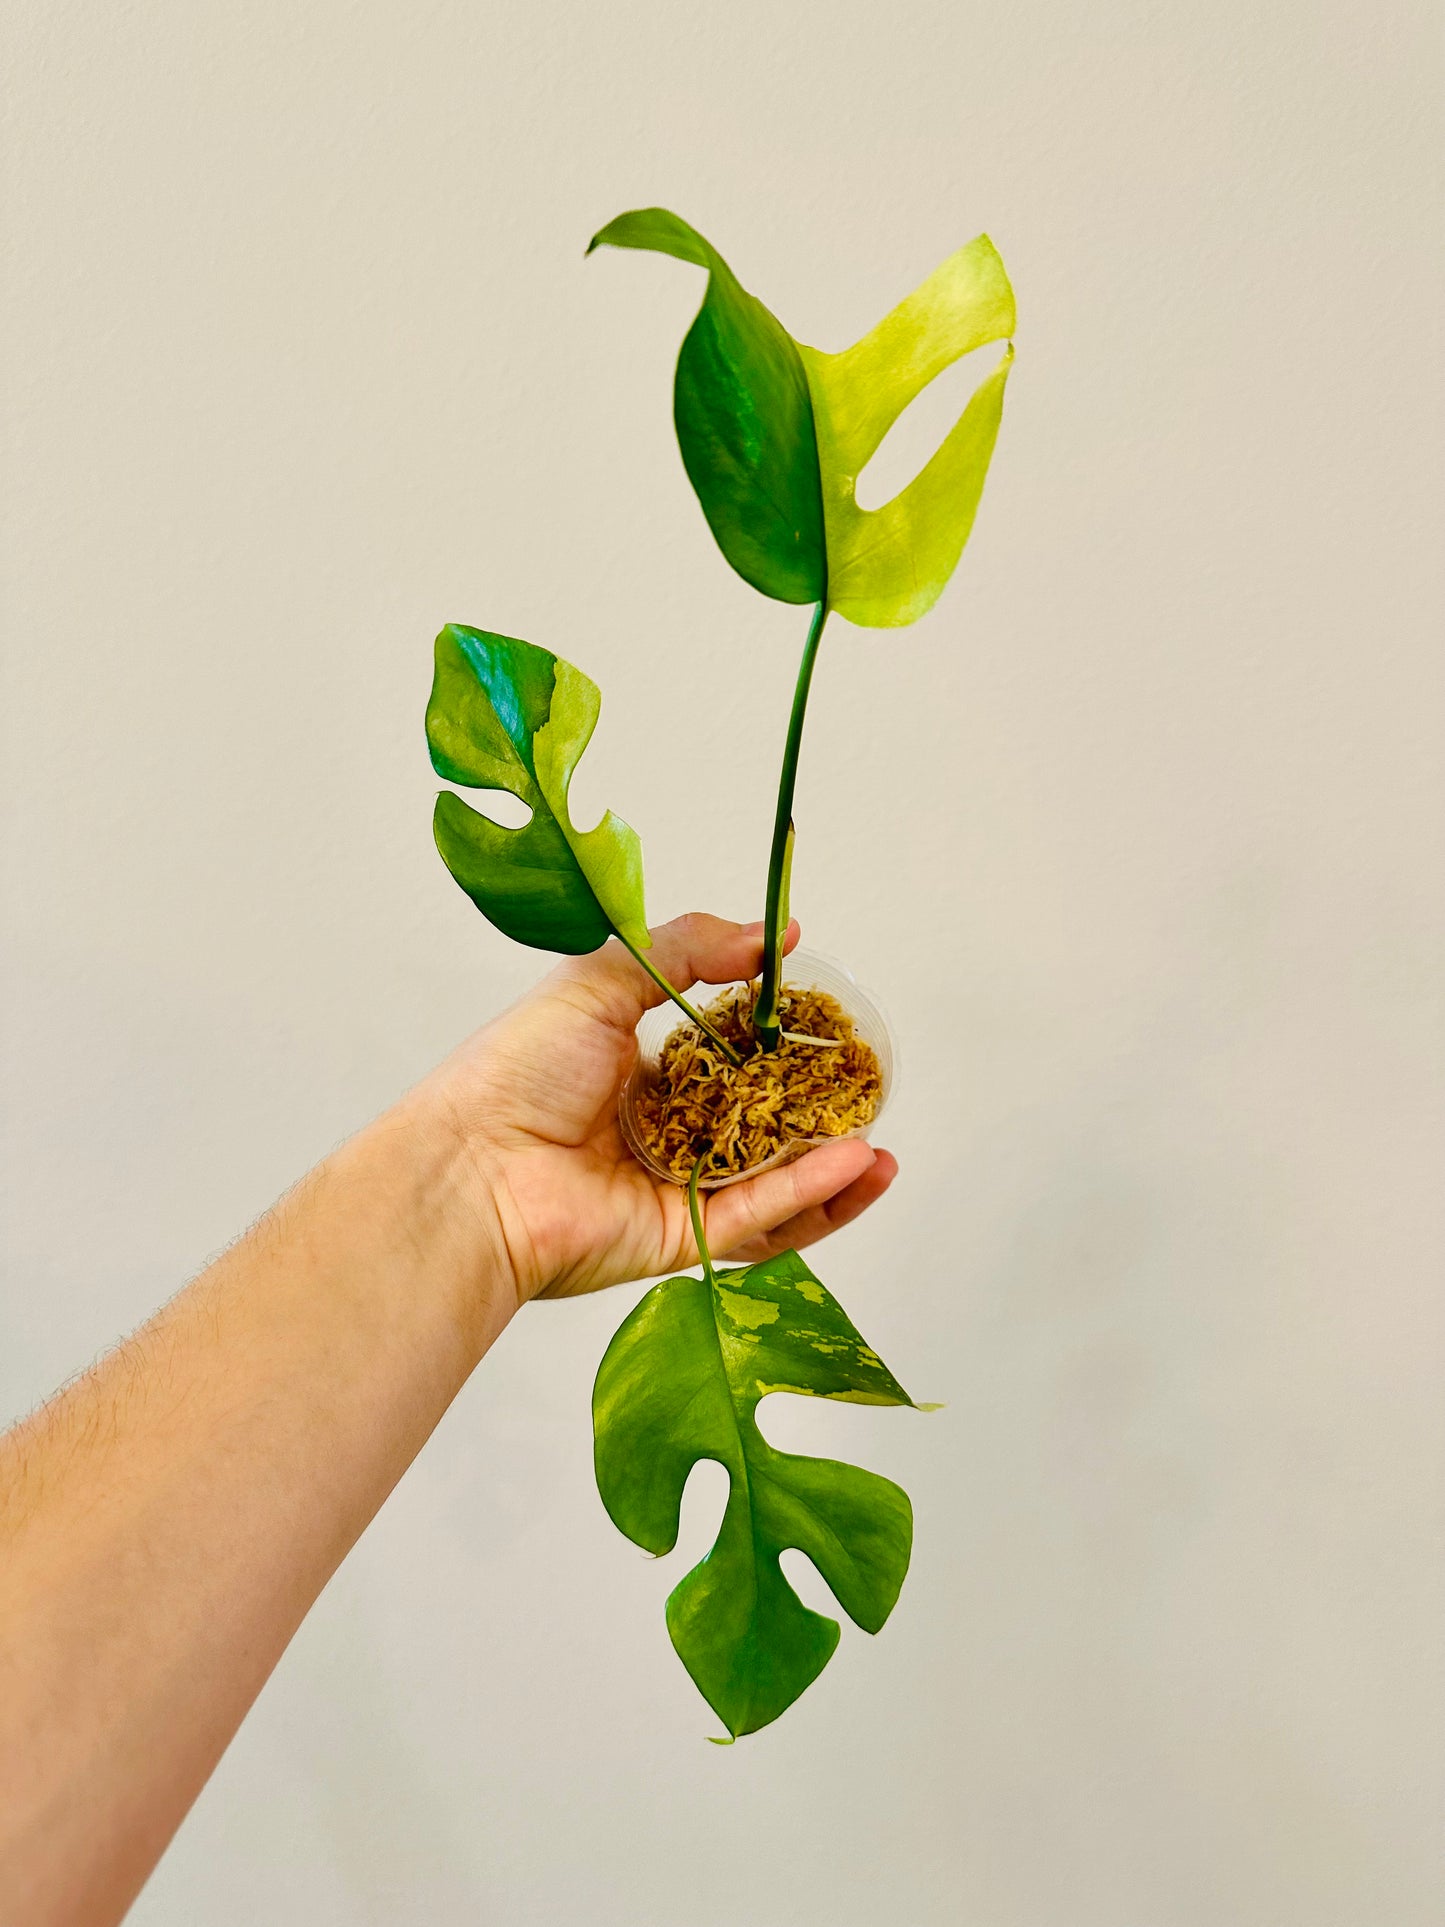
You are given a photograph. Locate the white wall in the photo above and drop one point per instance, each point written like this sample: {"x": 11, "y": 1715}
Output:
{"x": 1139, "y": 835}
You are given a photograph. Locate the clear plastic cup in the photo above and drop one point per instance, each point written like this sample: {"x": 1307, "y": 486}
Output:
{"x": 806, "y": 969}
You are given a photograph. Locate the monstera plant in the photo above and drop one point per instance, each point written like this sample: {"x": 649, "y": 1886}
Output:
{"x": 774, "y": 436}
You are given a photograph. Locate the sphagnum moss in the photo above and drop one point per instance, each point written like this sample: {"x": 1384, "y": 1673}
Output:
{"x": 823, "y": 1080}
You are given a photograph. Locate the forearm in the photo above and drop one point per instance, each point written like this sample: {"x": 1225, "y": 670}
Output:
{"x": 168, "y": 1520}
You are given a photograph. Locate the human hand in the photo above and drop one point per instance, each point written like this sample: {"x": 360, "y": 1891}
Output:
{"x": 533, "y": 1099}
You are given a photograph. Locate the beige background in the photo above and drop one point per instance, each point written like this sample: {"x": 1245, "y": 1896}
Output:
{"x": 1139, "y": 836}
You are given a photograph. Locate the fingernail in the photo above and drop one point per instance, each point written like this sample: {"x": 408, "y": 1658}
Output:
{"x": 752, "y": 929}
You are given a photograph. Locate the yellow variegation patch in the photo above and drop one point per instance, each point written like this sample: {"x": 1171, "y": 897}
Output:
{"x": 610, "y": 855}
{"x": 888, "y": 566}
{"x": 747, "y": 1312}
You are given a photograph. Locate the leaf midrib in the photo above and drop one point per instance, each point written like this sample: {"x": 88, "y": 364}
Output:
{"x": 711, "y": 1284}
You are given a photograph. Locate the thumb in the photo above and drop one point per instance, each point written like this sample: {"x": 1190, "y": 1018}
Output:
{"x": 693, "y": 949}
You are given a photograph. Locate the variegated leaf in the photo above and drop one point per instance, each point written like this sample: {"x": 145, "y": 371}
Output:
{"x": 681, "y": 1381}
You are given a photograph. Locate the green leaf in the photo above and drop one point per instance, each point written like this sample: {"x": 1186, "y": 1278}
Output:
{"x": 680, "y": 1382}
{"x": 744, "y": 419}
{"x": 506, "y": 715}
{"x": 761, "y": 450}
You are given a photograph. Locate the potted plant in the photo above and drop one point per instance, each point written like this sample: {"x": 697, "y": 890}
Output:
{"x": 773, "y": 436}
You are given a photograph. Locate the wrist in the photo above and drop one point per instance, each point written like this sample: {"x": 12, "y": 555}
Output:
{"x": 491, "y": 1169}
{"x": 447, "y": 1225}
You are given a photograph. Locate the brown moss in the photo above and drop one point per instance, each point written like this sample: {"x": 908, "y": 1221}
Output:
{"x": 700, "y": 1106}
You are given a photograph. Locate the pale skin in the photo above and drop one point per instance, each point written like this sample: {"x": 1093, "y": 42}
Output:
{"x": 167, "y": 1521}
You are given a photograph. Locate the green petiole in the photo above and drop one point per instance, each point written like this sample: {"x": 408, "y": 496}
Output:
{"x": 694, "y": 1207}
{"x": 677, "y": 997}
{"x": 780, "y": 862}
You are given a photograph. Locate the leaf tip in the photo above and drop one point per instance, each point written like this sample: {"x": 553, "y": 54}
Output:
{"x": 714, "y": 1739}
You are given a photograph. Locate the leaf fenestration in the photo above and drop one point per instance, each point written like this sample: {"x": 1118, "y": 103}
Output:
{"x": 888, "y": 566}
{"x": 680, "y": 1382}
{"x": 506, "y": 715}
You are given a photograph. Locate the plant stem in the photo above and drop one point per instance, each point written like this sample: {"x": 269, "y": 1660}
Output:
{"x": 775, "y": 913}
{"x": 677, "y": 997}
{"x": 698, "y": 1234}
